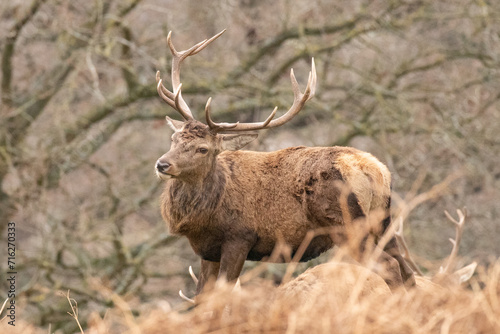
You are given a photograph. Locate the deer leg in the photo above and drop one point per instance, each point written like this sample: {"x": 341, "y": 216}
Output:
{"x": 209, "y": 272}
{"x": 232, "y": 260}
{"x": 392, "y": 249}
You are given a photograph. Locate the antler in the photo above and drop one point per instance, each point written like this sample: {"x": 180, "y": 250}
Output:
{"x": 459, "y": 228}
{"x": 447, "y": 268}
{"x": 174, "y": 99}
{"x": 298, "y": 102}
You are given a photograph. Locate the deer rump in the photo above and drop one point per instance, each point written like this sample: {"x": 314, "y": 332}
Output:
{"x": 256, "y": 199}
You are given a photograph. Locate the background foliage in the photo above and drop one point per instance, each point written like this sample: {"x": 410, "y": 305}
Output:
{"x": 415, "y": 82}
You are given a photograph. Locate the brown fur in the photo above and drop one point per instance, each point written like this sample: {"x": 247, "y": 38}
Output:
{"x": 324, "y": 279}
{"x": 237, "y": 205}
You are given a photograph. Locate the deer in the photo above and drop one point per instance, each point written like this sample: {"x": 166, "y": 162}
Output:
{"x": 235, "y": 205}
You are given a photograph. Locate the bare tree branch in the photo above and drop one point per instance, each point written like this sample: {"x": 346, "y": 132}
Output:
{"x": 269, "y": 46}
{"x": 9, "y": 47}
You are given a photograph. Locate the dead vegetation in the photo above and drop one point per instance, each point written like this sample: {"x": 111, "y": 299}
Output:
{"x": 338, "y": 297}
{"x": 459, "y": 310}
{"x": 253, "y": 309}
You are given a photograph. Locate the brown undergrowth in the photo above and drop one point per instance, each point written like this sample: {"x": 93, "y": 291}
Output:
{"x": 255, "y": 309}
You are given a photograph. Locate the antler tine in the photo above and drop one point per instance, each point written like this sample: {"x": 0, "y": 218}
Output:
{"x": 165, "y": 91}
{"x": 298, "y": 103}
{"x": 205, "y": 43}
{"x": 195, "y": 279}
{"x": 165, "y": 95}
{"x": 179, "y": 102}
{"x": 459, "y": 228}
{"x": 217, "y": 127}
{"x": 270, "y": 118}
{"x": 313, "y": 78}
{"x": 192, "y": 50}
{"x": 171, "y": 99}
{"x": 175, "y": 99}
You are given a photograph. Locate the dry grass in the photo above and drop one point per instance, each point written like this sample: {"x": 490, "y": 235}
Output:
{"x": 255, "y": 309}
{"x": 475, "y": 309}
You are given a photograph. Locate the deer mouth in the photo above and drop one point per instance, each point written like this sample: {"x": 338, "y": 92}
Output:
{"x": 165, "y": 175}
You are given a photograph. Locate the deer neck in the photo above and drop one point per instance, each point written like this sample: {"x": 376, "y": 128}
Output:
{"x": 190, "y": 202}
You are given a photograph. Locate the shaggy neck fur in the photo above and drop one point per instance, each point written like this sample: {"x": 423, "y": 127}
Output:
{"x": 191, "y": 200}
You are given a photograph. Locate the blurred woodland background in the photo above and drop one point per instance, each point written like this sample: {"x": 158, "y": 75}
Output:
{"x": 415, "y": 82}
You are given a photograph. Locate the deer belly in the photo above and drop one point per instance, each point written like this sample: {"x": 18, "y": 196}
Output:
{"x": 316, "y": 247}
{"x": 264, "y": 248}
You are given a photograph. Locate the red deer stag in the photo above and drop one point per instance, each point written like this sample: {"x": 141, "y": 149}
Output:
{"x": 236, "y": 205}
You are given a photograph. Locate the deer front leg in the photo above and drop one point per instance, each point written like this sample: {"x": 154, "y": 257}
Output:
{"x": 232, "y": 260}
{"x": 209, "y": 272}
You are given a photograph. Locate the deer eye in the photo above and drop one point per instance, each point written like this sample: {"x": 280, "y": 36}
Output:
{"x": 202, "y": 150}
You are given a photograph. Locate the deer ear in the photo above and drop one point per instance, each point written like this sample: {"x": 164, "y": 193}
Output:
{"x": 464, "y": 274}
{"x": 174, "y": 125}
{"x": 233, "y": 142}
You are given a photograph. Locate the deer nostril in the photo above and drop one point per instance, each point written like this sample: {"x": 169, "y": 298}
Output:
{"x": 162, "y": 166}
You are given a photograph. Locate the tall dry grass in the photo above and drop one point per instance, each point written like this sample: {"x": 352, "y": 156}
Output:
{"x": 254, "y": 309}
{"x": 259, "y": 308}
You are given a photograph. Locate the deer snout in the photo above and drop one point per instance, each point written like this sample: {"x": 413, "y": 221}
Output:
{"x": 162, "y": 166}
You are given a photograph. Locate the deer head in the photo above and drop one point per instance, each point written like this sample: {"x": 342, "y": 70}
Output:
{"x": 195, "y": 145}
{"x": 194, "y": 148}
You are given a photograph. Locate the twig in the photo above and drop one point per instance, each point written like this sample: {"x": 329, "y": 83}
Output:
{"x": 74, "y": 311}
{"x": 408, "y": 204}
{"x": 402, "y": 243}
